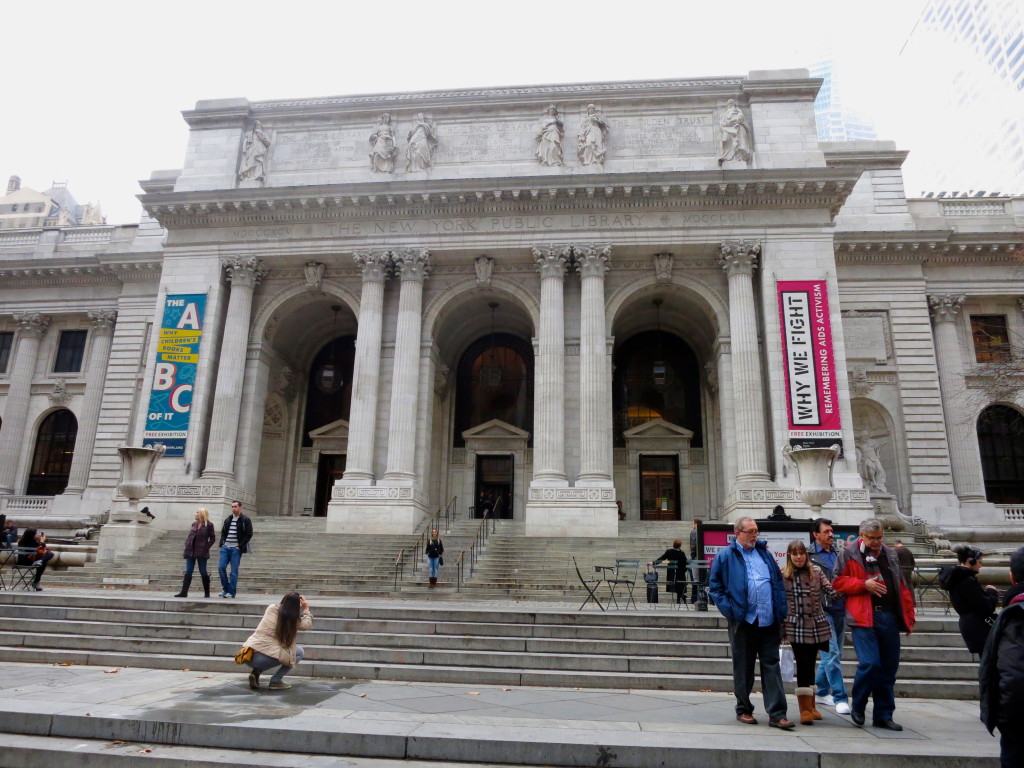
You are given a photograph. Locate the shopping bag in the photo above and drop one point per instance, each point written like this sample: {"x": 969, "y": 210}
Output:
{"x": 788, "y": 663}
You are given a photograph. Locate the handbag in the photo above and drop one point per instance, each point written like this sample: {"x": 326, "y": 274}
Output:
{"x": 440, "y": 560}
{"x": 787, "y": 661}
{"x": 244, "y": 655}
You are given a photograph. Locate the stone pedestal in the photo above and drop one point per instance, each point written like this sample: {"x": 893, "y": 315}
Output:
{"x": 123, "y": 538}
{"x": 590, "y": 512}
{"x": 375, "y": 509}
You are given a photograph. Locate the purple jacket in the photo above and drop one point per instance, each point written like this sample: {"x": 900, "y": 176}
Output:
{"x": 199, "y": 541}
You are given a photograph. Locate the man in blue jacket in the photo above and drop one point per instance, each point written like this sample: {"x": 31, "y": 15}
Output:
{"x": 746, "y": 585}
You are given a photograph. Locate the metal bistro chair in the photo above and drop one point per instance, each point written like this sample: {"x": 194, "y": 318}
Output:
{"x": 22, "y": 575}
{"x": 590, "y": 585}
{"x": 928, "y": 581}
{"x": 626, "y": 570}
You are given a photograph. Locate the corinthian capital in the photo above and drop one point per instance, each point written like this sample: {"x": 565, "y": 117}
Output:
{"x": 740, "y": 257}
{"x": 103, "y": 319}
{"x": 592, "y": 258}
{"x": 32, "y": 322}
{"x": 244, "y": 270}
{"x": 373, "y": 264}
{"x": 551, "y": 259}
{"x": 945, "y": 307}
{"x": 412, "y": 264}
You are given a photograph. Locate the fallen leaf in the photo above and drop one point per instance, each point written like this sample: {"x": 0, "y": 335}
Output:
{"x": 88, "y": 714}
{"x": 111, "y": 671}
{"x": 473, "y": 693}
{"x": 186, "y": 669}
{"x": 362, "y": 695}
{"x": 703, "y": 690}
{"x": 204, "y": 677}
{"x": 506, "y": 689}
{"x": 142, "y": 751}
{"x": 64, "y": 664}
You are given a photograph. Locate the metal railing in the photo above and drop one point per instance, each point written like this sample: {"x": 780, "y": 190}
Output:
{"x": 467, "y": 558}
{"x": 450, "y": 511}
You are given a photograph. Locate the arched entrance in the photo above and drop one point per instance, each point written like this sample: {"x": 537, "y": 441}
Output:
{"x": 1001, "y": 442}
{"x": 55, "y": 448}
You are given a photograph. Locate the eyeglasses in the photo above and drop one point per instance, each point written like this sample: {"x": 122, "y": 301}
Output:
{"x": 752, "y": 530}
{"x": 872, "y": 537}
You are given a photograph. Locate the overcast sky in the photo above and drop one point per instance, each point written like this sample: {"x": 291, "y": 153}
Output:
{"x": 94, "y": 90}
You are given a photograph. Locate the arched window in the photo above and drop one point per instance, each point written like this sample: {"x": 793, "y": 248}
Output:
{"x": 328, "y": 404}
{"x": 494, "y": 380}
{"x": 1001, "y": 441}
{"x": 656, "y": 377}
{"x": 55, "y": 448}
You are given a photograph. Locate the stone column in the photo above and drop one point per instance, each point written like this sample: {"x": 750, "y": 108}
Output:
{"x": 31, "y": 328}
{"x": 726, "y": 411}
{"x": 739, "y": 261}
{"x": 961, "y": 435}
{"x": 244, "y": 274}
{"x": 88, "y": 419}
{"x": 412, "y": 266}
{"x": 366, "y": 370}
{"x": 595, "y": 386}
{"x": 549, "y": 371}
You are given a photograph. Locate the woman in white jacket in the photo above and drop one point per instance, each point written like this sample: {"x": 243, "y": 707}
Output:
{"x": 273, "y": 642}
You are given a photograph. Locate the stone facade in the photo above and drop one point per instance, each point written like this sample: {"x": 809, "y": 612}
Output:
{"x": 670, "y": 232}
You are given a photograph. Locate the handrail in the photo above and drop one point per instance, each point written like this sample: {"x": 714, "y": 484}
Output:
{"x": 399, "y": 568}
{"x": 450, "y": 512}
{"x": 479, "y": 539}
{"x": 417, "y": 549}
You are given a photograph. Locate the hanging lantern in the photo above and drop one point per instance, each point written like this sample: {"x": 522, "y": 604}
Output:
{"x": 328, "y": 378}
{"x": 490, "y": 373}
{"x": 659, "y": 371}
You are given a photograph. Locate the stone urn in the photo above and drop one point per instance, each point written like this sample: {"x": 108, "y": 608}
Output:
{"x": 814, "y": 467}
{"x": 137, "y": 467}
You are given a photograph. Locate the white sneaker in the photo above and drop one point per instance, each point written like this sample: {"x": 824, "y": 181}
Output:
{"x": 843, "y": 708}
{"x": 826, "y": 700}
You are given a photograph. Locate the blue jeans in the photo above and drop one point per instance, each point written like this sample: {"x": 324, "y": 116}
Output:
{"x": 433, "y": 563}
{"x": 829, "y": 679}
{"x": 231, "y": 555}
{"x": 878, "y": 660}
{"x": 190, "y": 565}
{"x": 750, "y": 643}
{"x": 261, "y": 663}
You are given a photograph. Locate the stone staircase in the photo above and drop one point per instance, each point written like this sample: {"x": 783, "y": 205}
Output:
{"x": 445, "y": 642}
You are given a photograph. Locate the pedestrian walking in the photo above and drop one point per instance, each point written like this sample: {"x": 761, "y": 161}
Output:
{"x": 201, "y": 536}
{"x": 273, "y": 643}
{"x": 973, "y": 604}
{"x": 831, "y": 688}
{"x": 806, "y": 627}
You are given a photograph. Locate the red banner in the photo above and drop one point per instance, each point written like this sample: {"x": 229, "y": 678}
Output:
{"x": 812, "y": 396}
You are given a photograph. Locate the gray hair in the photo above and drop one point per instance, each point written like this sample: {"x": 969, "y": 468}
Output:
{"x": 871, "y": 525}
{"x": 738, "y": 525}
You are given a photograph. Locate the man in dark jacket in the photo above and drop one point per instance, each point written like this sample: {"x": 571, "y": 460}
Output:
{"x": 746, "y": 585}
{"x": 234, "y": 542}
{"x": 879, "y": 604}
{"x": 1002, "y": 672}
{"x": 831, "y": 689}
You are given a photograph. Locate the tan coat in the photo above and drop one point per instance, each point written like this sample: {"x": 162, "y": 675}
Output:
{"x": 805, "y": 618}
{"x": 265, "y": 640}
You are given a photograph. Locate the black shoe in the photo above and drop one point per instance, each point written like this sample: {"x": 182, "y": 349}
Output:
{"x": 857, "y": 717}
{"x": 37, "y": 588}
{"x": 889, "y": 725}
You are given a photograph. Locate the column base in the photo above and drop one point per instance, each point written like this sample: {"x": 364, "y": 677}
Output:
{"x": 122, "y": 539}
{"x": 566, "y": 512}
{"x": 848, "y": 506}
{"x": 356, "y": 479}
{"x": 377, "y": 509}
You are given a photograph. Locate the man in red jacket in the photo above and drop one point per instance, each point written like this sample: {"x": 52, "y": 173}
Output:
{"x": 879, "y": 605}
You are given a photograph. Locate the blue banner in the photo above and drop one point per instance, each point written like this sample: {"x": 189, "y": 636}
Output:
{"x": 177, "y": 357}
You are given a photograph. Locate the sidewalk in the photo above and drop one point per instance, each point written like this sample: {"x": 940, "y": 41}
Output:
{"x": 447, "y": 722}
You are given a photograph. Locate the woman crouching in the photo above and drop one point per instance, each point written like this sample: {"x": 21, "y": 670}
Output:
{"x": 273, "y": 642}
{"x": 805, "y": 627}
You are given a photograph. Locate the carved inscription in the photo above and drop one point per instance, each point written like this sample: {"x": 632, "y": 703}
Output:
{"x": 320, "y": 150}
{"x": 865, "y": 337}
{"x": 467, "y": 142}
{"x": 666, "y": 134}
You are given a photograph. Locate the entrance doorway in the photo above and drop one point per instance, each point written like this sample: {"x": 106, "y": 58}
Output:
{"x": 493, "y": 486}
{"x": 331, "y": 468}
{"x": 659, "y": 488}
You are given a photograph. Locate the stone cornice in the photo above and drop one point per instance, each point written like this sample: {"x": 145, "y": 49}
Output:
{"x": 782, "y": 89}
{"x": 235, "y": 111}
{"x": 935, "y": 246}
{"x": 108, "y": 271}
{"x": 864, "y": 158}
{"x": 735, "y": 189}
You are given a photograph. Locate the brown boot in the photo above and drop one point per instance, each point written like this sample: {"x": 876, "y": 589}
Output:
{"x": 806, "y": 698}
{"x": 433, "y": 581}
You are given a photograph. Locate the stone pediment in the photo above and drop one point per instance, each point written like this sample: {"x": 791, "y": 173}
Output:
{"x": 334, "y": 430}
{"x": 658, "y": 428}
{"x": 495, "y": 428}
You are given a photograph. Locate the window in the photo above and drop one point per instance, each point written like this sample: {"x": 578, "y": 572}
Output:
{"x": 6, "y": 340}
{"x": 70, "y": 352}
{"x": 1001, "y": 443}
{"x": 991, "y": 339}
{"x": 55, "y": 448}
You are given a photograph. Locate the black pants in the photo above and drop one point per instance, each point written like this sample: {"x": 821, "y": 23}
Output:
{"x": 23, "y": 560}
{"x": 805, "y": 655}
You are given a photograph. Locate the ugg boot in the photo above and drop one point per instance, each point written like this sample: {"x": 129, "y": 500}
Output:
{"x": 206, "y": 585}
{"x": 806, "y": 698}
{"x": 433, "y": 581}
{"x": 185, "y": 584}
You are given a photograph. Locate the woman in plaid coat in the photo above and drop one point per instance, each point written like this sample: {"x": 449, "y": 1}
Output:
{"x": 805, "y": 627}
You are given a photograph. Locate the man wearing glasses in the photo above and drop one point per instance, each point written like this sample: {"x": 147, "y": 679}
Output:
{"x": 879, "y": 605}
{"x": 746, "y": 585}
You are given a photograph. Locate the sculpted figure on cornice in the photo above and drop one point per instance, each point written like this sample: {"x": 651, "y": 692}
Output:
{"x": 422, "y": 143}
{"x": 549, "y": 139}
{"x": 255, "y": 148}
{"x": 735, "y": 134}
{"x": 382, "y": 146}
{"x": 590, "y": 146}
{"x": 484, "y": 266}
